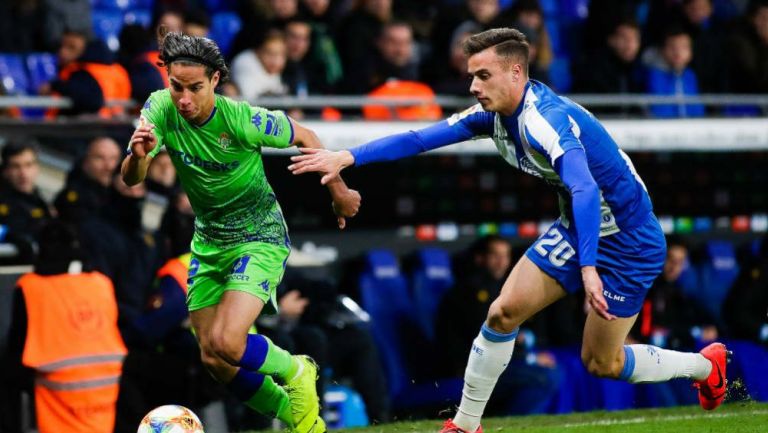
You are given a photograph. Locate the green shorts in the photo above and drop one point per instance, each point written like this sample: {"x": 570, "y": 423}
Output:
{"x": 254, "y": 268}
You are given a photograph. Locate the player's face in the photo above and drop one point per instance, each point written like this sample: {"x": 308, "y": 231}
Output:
{"x": 192, "y": 91}
{"x": 21, "y": 171}
{"x": 497, "y": 84}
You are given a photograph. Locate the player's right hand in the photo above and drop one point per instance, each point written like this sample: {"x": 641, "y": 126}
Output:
{"x": 143, "y": 140}
{"x": 322, "y": 161}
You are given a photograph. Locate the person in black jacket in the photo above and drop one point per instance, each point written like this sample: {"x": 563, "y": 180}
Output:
{"x": 22, "y": 209}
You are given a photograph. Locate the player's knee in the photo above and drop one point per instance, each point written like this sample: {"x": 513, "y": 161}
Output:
{"x": 227, "y": 347}
{"x": 601, "y": 366}
{"x": 503, "y": 317}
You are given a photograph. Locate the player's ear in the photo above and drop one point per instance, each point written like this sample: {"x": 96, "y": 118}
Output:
{"x": 215, "y": 79}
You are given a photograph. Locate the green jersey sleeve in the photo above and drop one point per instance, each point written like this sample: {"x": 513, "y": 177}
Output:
{"x": 153, "y": 113}
{"x": 262, "y": 127}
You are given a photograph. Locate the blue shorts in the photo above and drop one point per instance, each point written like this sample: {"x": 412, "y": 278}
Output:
{"x": 628, "y": 262}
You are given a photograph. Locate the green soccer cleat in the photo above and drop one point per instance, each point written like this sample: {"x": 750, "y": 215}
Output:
{"x": 302, "y": 392}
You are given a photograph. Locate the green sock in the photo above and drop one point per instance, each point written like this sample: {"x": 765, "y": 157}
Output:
{"x": 265, "y": 357}
{"x": 271, "y": 400}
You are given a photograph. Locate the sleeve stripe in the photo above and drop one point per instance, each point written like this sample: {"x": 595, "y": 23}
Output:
{"x": 290, "y": 125}
{"x": 545, "y": 134}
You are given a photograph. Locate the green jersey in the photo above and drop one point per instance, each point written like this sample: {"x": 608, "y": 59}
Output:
{"x": 219, "y": 165}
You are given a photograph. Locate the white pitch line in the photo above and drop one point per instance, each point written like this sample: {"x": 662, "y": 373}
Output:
{"x": 641, "y": 419}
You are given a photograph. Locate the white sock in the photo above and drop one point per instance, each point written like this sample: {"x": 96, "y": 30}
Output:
{"x": 645, "y": 363}
{"x": 490, "y": 354}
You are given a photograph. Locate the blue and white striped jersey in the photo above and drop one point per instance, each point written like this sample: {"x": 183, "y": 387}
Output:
{"x": 541, "y": 130}
{"x": 553, "y": 138}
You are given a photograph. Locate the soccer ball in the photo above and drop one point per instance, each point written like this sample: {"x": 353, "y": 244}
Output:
{"x": 170, "y": 418}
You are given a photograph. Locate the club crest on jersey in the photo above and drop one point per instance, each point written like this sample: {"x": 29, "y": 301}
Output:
{"x": 224, "y": 141}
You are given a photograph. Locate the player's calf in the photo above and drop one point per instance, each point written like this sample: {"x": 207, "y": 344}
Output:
{"x": 602, "y": 365}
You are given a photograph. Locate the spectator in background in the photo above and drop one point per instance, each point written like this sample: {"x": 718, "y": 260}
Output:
{"x": 283, "y": 11}
{"x": 88, "y": 76}
{"x": 322, "y": 12}
{"x": 746, "y": 307}
{"x": 22, "y": 26}
{"x": 65, "y": 16}
{"x": 454, "y": 80}
{"x": 483, "y": 13}
{"x": 45, "y": 339}
{"x": 536, "y": 70}
{"x": 356, "y": 39}
{"x": 88, "y": 186}
{"x": 256, "y": 72}
{"x": 529, "y": 19}
{"x": 140, "y": 61}
{"x": 22, "y": 209}
{"x": 673, "y": 76}
{"x": 395, "y": 59}
{"x": 533, "y": 377}
{"x": 615, "y": 67}
{"x": 748, "y": 48}
{"x": 170, "y": 18}
{"x": 86, "y": 191}
{"x": 197, "y": 23}
{"x": 161, "y": 176}
{"x": 707, "y": 35}
{"x": 669, "y": 319}
{"x": 602, "y": 18}
{"x": 308, "y": 70}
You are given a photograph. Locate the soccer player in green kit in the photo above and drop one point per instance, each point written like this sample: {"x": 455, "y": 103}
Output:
{"x": 241, "y": 241}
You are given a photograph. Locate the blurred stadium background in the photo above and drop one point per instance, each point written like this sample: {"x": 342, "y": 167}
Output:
{"x": 681, "y": 84}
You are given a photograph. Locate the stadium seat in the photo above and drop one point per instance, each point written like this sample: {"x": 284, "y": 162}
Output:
{"x": 717, "y": 274}
{"x": 114, "y": 4}
{"x": 14, "y": 74}
{"x": 107, "y": 26}
{"x": 431, "y": 279}
{"x": 385, "y": 296}
{"x": 343, "y": 408}
{"x": 142, "y": 17}
{"x": 42, "y": 69}
{"x": 560, "y": 74}
{"x": 224, "y": 28}
{"x": 574, "y": 9}
{"x": 214, "y": 6}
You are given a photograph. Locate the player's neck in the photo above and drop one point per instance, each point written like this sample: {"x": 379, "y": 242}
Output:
{"x": 205, "y": 113}
{"x": 516, "y": 102}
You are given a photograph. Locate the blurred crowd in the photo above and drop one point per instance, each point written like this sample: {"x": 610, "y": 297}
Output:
{"x": 397, "y": 47}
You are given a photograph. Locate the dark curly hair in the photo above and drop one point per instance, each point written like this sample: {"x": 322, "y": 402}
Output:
{"x": 176, "y": 47}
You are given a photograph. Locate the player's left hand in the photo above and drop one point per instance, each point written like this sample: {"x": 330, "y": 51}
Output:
{"x": 593, "y": 286}
{"x": 346, "y": 206}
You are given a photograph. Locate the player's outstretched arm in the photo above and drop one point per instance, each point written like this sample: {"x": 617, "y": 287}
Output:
{"x": 346, "y": 201}
{"x": 389, "y": 148}
{"x": 135, "y": 165}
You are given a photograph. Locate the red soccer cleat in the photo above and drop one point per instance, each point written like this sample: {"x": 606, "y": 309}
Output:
{"x": 450, "y": 427}
{"x": 712, "y": 389}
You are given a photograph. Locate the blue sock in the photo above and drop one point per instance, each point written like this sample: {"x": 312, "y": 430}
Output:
{"x": 256, "y": 348}
{"x": 245, "y": 384}
{"x": 629, "y": 364}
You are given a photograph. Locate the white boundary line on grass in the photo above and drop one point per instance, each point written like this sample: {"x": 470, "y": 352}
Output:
{"x": 641, "y": 419}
